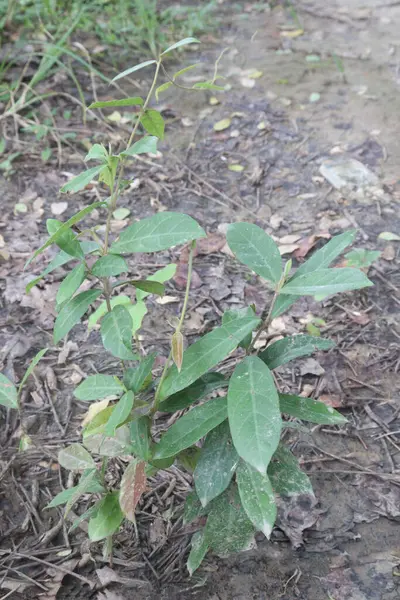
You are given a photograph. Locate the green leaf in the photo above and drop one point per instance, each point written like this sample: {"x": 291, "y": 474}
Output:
{"x": 75, "y": 458}
{"x": 135, "y": 378}
{"x": 208, "y": 85}
{"x": 79, "y": 182}
{"x": 29, "y": 370}
{"x": 88, "y": 484}
{"x": 159, "y": 232}
{"x": 291, "y": 347}
{"x": 327, "y": 282}
{"x": 97, "y": 387}
{"x": 85, "y": 515}
{"x": 184, "y": 70}
{"x": 256, "y": 249}
{"x": 206, "y": 353}
{"x": 184, "y": 42}
{"x": 361, "y": 258}
{"x": 321, "y": 259}
{"x": 116, "y": 333}
{"x": 133, "y": 484}
{"x": 147, "y": 144}
{"x": 153, "y": 123}
{"x": 8, "y": 393}
{"x": 197, "y": 552}
{"x": 71, "y": 283}
{"x": 135, "y": 101}
{"x": 67, "y": 241}
{"x": 310, "y": 410}
{"x": 133, "y": 69}
{"x": 137, "y": 312}
{"x": 151, "y": 287}
{"x": 254, "y": 414}
{"x": 231, "y": 315}
{"x": 64, "y": 227}
{"x": 257, "y": 498}
{"x": 189, "y": 457}
{"x": 72, "y": 311}
{"x": 97, "y": 152}
{"x": 286, "y": 477}
{"x": 102, "y": 309}
{"x": 228, "y": 528}
{"x": 201, "y": 388}
{"x": 140, "y": 438}
{"x": 216, "y": 465}
{"x": 193, "y": 508}
{"x": 107, "y": 519}
{"x": 109, "y": 265}
{"x": 162, "y": 275}
{"x": 162, "y": 88}
{"x": 120, "y": 413}
{"x": 187, "y": 430}
{"x": 61, "y": 258}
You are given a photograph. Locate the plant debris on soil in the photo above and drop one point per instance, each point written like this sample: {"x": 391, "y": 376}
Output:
{"x": 313, "y": 95}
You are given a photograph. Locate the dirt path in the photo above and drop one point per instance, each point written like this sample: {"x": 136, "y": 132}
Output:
{"x": 327, "y": 93}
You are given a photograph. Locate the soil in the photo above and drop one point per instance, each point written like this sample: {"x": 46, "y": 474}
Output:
{"x": 348, "y": 545}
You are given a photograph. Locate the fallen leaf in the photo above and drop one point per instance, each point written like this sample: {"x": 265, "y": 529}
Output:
{"x": 389, "y": 236}
{"x": 361, "y": 318}
{"x": 214, "y": 242}
{"x": 237, "y": 168}
{"x": 121, "y": 213}
{"x": 389, "y": 253}
{"x": 307, "y": 390}
{"x": 314, "y": 97}
{"x": 167, "y": 299}
{"x": 255, "y": 74}
{"x": 58, "y": 208}
{"x": 247, "y": 82}
{"x": 311, "y": 367}
{"x": 214, "y": 101}
{"x": 308, "y": 243}
{"x": 294, "y": 33}
{"x": 287, "y": 248}
{"x": 180, "y": 277}
{"x": 289, "y": 239}
{"x": 333, "y": 400}
{"x": 2, "y": 242}
{"x": 223, "y": 124}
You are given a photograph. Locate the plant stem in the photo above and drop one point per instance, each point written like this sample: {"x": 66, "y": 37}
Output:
{"x": 264, "y": 324}
{"x": 182, "y": 317}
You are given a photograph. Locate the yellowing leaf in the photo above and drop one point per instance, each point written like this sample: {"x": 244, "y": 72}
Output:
{"x": 255, "y": 75}
{"x": 389, "y": 236}
{"x": 94, "y": 410}
{"x": 294, "y": 33}
{"x": 236, "y": 168}
{"x": 214, "y": 101}
{"x": 223, "y": 124}
{"x": 177, "y": 349}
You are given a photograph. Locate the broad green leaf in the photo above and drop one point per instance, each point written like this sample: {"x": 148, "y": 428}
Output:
{"x": 184, "y": 42}
{"x": 189, "y": 457}
{"x": 8, "y": 393}
{"x": 116, "y": 333}
{"x": 286, "y": 477}
{"x": 150, "y": 287}
{"x": 206, "y": 353}
{"x": 137, "y": 312}
{"x": 231, "y": 315}
{"x": 310, "y": 410}
{"x": 197, "y": 552}
{"x": 133, "y": 69}
{"x": 67, "y": 241}
{"x": 254, "y": 414}
{"x": 159, "y": 232}
{"x": 97, "y": 387}
{"x": 89, "y": 484}
{"x": 107, "y": 519}
{"x": 228, "y": 528}
{"x": 291, "y": 347}
{"x": 103, "y": 310}
{"x": 321, "y": 259}
{"x": 136, "y": 378}
{"x": 361, "y": 258}
{"x": 70, "y": 284}
{"x": 187, "y": 430}
{"x": 216, "y": 465}
{"x": 197, "y": 390}
{"x": 72, "y": 311}
{"x": 161, "y": 276}
{"x": 109, "y": 265}
{"x": 98, "y": 422}
{"x": 147, "y": 144}
{"x": 193, "y": 508}
{"x": 97, "y": 152}
{"x": 153, "y": 123}
{"x": 120, "y": 413}
{"x": 140, "y": 438}
{"x": 118, "y": 445}
{"x": 162, "y": 88}
{"x": 326, "y": 282}
{"x": 75, "y": 458}
{"x": 133, "y": 484}
{"x": 64, "y": 227}
{"x": 257, "y": 498}
{"x": 91, "y": 512}
{"x": 29, "y": 370}
{"x": 135, "y": 101}
{"x": 79, "y": 182}
{"x": 256, "y": 249}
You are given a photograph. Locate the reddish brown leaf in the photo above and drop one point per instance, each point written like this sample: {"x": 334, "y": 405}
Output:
{"x": 333, "y": 400}
{"x": 214, "y": 242}
{"x": 309, "y": 242}
{"x": 133, "y": 484}
{"x": 180, "y": 277}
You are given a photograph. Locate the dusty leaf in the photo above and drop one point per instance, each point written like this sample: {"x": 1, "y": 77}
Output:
{"x": 133, "y": 484}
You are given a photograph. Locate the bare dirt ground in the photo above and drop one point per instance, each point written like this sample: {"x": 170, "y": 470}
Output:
{"x": 296, "y": 113}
